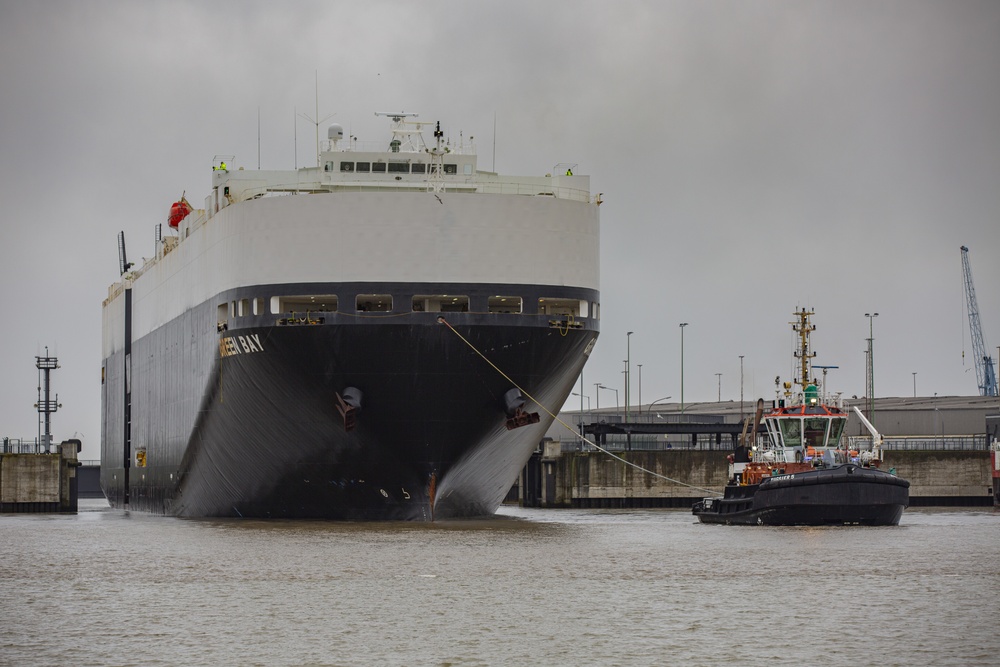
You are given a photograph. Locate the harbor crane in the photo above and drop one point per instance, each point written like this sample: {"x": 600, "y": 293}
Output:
{"x": 985, "y": 376}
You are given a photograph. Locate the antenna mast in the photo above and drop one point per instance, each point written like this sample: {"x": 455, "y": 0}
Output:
{"x": 45, "y": 406}
{"x": 803, "y": 328}
{"x": 318, "y": 119}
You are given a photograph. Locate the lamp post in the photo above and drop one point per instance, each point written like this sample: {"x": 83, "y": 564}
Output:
{"x": 617, "y": 405}
{"x": 650, "y": 409}
{"x": 581, "y": 411}
{"x": 683, "y": 324}
{"x": 741, "y": 387}
{"x": 640, "y": 389}
{"x": 628, "y": 370}
{"x": 870, "y": 389}
{"x": 597, "y": 396}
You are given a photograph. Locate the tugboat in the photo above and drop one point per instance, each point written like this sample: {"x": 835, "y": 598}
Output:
{"x": 802, "y": 472}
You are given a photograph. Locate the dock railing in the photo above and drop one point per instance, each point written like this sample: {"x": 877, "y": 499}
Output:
{"x": 20, "y": 446}
{"x": 924, "y": 443}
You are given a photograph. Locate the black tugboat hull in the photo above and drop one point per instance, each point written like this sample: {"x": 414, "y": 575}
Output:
{"x": 844, "y": 495}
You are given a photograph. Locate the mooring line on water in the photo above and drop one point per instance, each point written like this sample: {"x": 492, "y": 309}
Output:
{"x": 567, "y": 426}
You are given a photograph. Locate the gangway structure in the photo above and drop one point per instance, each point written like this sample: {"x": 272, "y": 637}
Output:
{"x": 985, "y": 375}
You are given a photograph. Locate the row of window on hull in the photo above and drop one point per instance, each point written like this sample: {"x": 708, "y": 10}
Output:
{"x": 383, "y": 303}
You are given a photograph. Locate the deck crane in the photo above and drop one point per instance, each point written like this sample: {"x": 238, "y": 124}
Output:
{"x": 985, "y": 376}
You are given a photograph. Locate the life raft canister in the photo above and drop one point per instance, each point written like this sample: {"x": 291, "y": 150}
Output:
{"x": 178, "y": 211}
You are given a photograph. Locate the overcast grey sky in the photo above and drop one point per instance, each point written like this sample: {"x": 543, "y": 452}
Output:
{"x": 754, "y": 157}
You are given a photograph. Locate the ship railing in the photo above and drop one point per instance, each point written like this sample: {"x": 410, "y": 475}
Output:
{"x": 510, "y": 186}
{"x": 533, "y": 189}
{"x": 355, "y": 146}
{"x": 683, "y": 442}
{"x": 615, "y": 442}
{"x": 495, "y": 187}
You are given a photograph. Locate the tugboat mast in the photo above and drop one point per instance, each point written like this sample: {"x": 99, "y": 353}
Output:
{"x": 804, "y": 328}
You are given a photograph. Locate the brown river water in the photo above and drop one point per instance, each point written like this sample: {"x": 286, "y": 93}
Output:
{"x": 528, "y": 587}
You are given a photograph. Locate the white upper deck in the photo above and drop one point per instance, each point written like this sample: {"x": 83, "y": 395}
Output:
{"x": 405, "y": 162}
{"x": 407, "y": 211}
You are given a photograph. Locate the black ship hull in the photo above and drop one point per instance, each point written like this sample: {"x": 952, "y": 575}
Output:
{"x": 846, "y": 494}
{"x": 251, "y": 427}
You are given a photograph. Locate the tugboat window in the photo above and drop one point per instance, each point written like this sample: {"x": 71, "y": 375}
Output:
{"x": 418, "y": 168}
{"x": 791, "y": 432}
{"x": 378, "y": 167}
{"x": 347, "y": 166}
{"x": 399, "y": 168}
{"x": 815, "y": 432}
{"x": 451, "y": 169}
{"x": 363, "y": 167}
{"x": 836, "y": 430}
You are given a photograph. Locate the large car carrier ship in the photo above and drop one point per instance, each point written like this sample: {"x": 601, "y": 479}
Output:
{"x": 382, "y": 336}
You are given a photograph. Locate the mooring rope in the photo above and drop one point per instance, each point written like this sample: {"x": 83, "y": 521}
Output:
{"x": 567, "y": 426}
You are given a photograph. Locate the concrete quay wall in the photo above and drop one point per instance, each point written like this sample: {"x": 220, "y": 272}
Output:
{"x": 39, "y": 482}
{"x": 594, "y": 479}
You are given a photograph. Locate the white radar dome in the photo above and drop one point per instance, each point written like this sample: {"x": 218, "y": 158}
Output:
{"x": 335, "y": 132}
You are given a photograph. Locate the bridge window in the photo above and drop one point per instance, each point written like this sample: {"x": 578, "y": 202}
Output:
{"x": 836, "y": 430}
{"x": 451, "y": 169}
{"x": 418, "y": 168}
{"x": 363, "y": 167}
{"x": 378, "y": 168}
{"x": 347, "y": 166}
{"x": 791, "y": 431}
{"x": 816, "y": 432}
{"x": 399, "y": 167}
